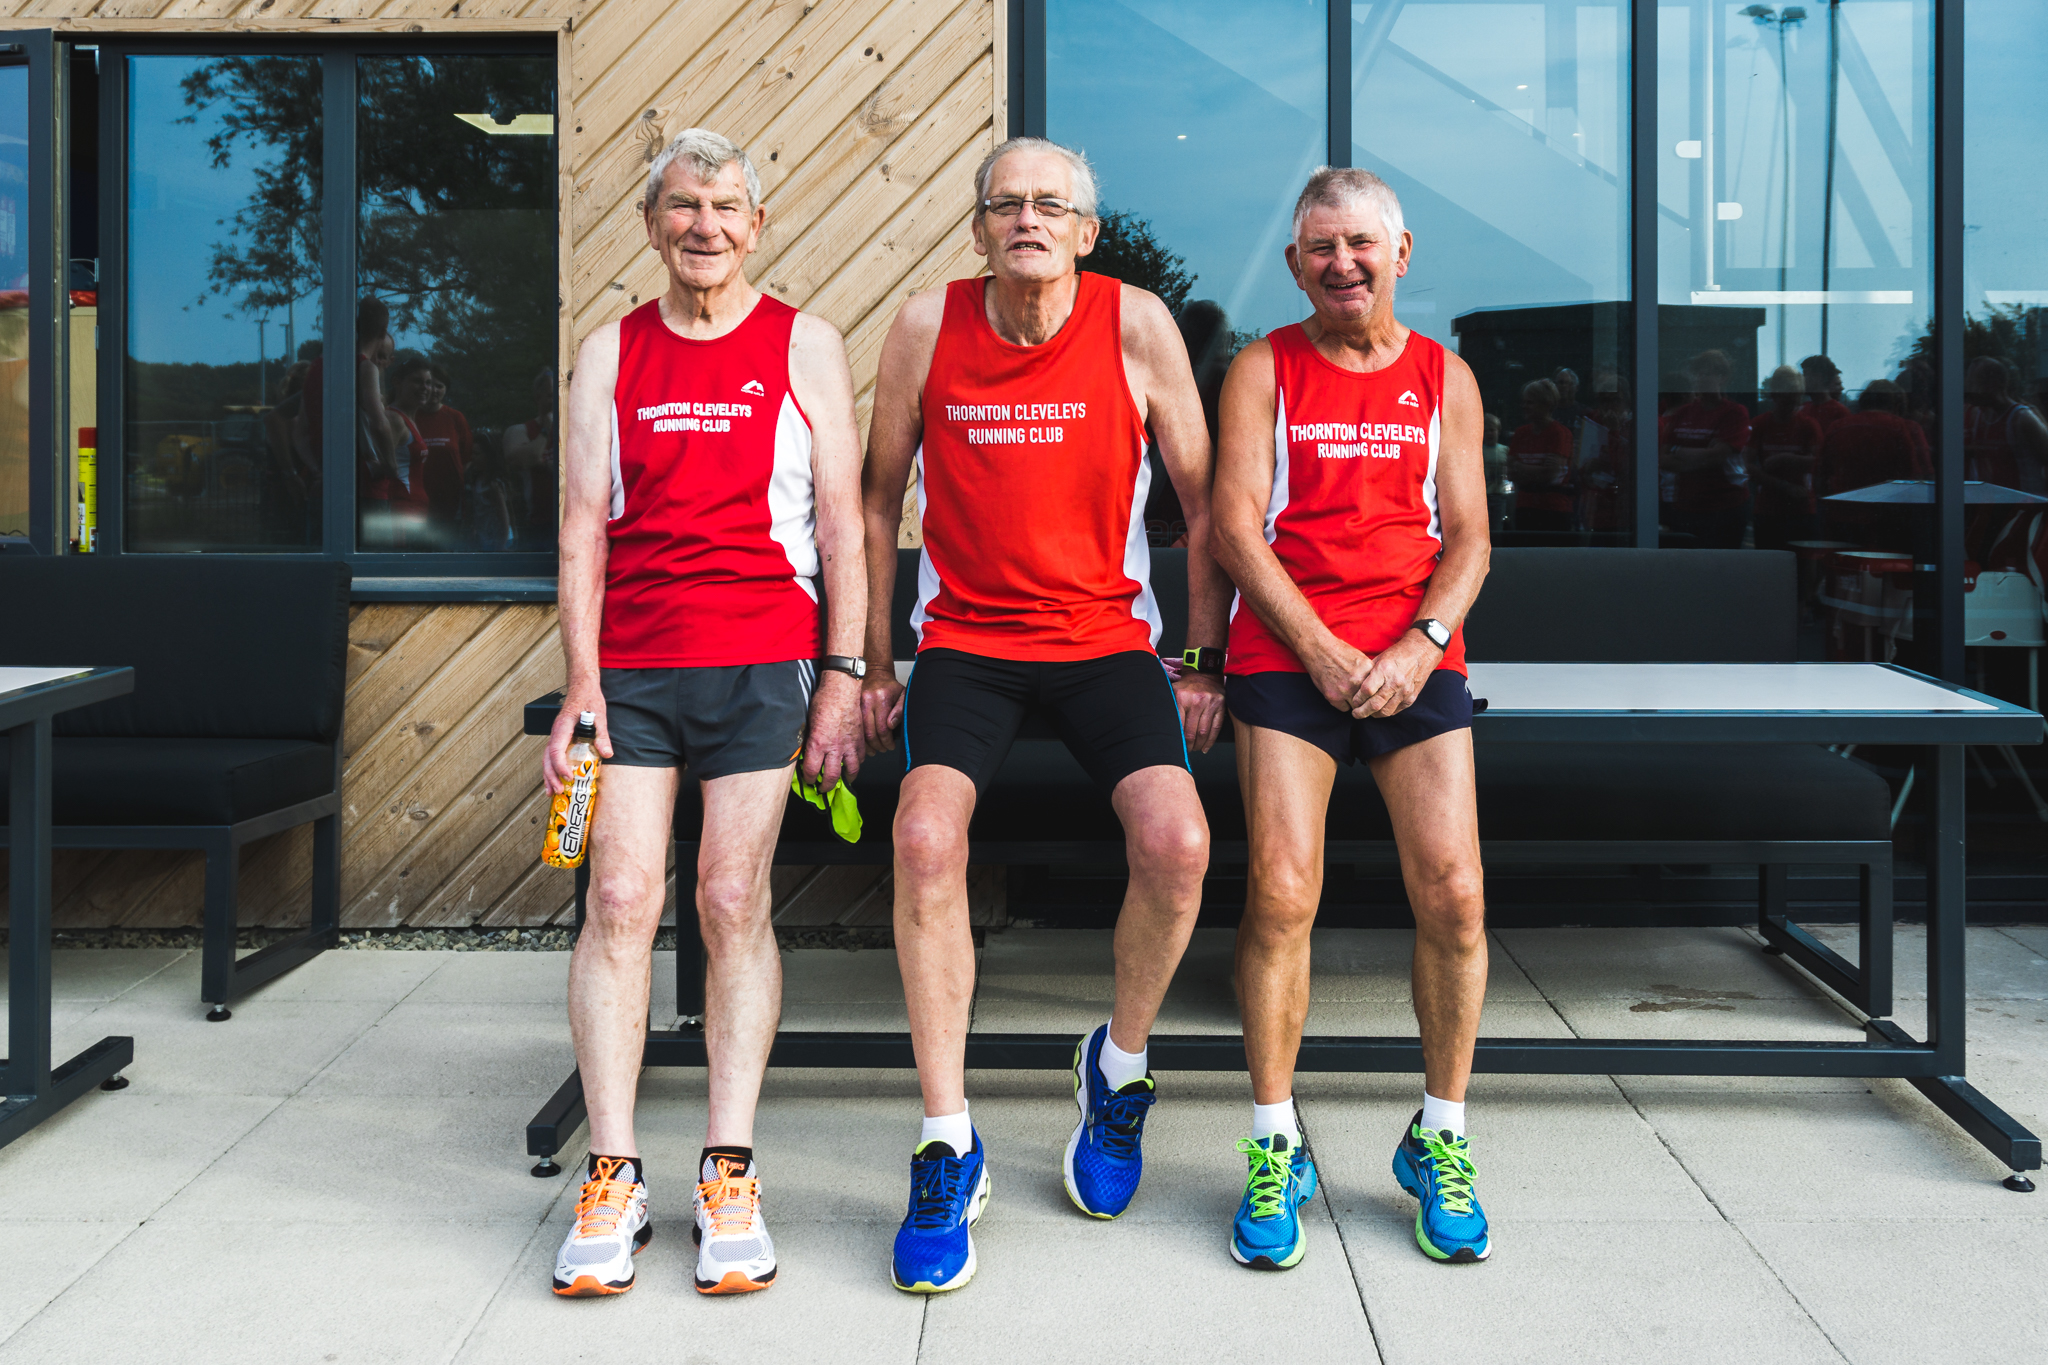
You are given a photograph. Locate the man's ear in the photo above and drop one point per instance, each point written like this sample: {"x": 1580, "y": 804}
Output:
{"x": 1294, "y": 262}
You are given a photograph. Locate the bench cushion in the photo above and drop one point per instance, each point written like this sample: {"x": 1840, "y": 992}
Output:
{"x": 1526, "y": 792}
{"x": 180, "y": 781}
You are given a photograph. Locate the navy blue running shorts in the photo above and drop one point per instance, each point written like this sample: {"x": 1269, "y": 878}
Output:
{"x": 1290, "y": 703}
{"x": 715, "y": 722}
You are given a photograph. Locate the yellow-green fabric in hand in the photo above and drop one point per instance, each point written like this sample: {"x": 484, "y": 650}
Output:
{"x": 839, "y": 803}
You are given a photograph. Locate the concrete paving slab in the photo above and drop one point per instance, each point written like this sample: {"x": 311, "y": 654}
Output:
{"x": 1999, "y": 965}
{"x": 366, "y": 1159}
{"x": 519, "y": 979}
{"x": 300, "y": 1292}
{"x": 1196, "y": 1302}
{"x": 1640, "y": 964}
{"x": 1687, "y": 1013}
{"x": 381, "y": 978}
{"x": 130, "y": 1153}
{"x": 271, "y": 1049}
{"x": 831, "y": 1301}
{"x": 807, "y": 1016}
{"x": 1850, "y": 1277}
{"x": 1593, "y": 1292}
{"x": 833, "y": 975}
{"x": 1533, "y": 1138}
{"x": 1373, "y": 964}
{"x": 49, "y": 1257}
{"x": 100, "y": 974}
{"x": 2034, "y": 936}
{"x": 467, "y": 1049}
{"x": 1886, "y": 1150}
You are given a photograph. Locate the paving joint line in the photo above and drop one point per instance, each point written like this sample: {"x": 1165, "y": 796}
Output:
{"x": 1343, "y": 1243}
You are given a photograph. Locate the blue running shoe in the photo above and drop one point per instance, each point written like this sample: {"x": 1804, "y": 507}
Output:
{"x": 1103, "y": 1158}
{"x": 1266, "y": 1234}
{"x": 1437, "y": 1169}
{"x": 934, "y": 1251}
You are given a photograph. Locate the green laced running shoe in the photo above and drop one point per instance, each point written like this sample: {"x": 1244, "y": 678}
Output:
{"x": 1266, "y": 1234}
{"x": 1437, "y": 1169}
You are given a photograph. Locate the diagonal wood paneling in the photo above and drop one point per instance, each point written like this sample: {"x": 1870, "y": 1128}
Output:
{"x": 866, "y": 118}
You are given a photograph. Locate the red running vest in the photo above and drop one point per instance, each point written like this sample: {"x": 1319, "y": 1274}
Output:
{"x": 1353, "y": 514}
{"x": 1031, "y": 486}
{"x": 713, "y": 536}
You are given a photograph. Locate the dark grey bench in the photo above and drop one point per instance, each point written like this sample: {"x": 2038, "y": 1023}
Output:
{"x": 233, "y": 731}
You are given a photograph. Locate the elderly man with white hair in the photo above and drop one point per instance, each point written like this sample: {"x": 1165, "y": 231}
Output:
{"x": 1350, "y": 508}
{"x": 712, "y": 471}
{"x": 1024, "y": 398}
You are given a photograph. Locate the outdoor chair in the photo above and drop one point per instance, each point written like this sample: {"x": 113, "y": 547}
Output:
{"x": 233, "y": 731}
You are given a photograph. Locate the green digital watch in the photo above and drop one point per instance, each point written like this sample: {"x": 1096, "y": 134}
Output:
{"x": 1202, "y": 660}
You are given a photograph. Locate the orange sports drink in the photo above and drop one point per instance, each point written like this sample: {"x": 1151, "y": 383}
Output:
{"x": 575, "y": 806}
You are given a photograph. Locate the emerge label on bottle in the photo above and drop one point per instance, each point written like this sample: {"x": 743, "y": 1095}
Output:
{"x": 570, "y": 813}
{"x": 576, "y": 821}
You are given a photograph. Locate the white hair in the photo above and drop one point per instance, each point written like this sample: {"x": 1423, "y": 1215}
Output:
{"x": 1342, "y": 186}
{"x": 708, "y": 154}
{"x": 1083, "y": 173}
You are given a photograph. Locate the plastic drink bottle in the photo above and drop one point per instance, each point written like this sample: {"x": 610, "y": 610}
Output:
{"x": 575, "y": 806}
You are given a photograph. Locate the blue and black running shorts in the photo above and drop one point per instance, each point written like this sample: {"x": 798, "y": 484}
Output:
{"x": 1290, "y": 703}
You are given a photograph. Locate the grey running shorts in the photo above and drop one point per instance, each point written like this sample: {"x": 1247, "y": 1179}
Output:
{"x": 714, "y": 721}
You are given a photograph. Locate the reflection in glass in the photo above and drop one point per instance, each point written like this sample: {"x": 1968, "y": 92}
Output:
{"x": 1501, "y": 127}
{"x": 1203, "y": 119}
{"x": 14, "y": 385}
{"x": 456, "y": 434}
{"x": 223, "y": 291}
{"x": 1795, "y": 294}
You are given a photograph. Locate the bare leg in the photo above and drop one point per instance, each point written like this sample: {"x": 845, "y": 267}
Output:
{"x": 743, "y": 981}
{"x": 1431, "y": 795}
{"x": 934, "y": 945}
{"x": 615, "y": 952}
{"x": 1166, "y": 841}
{"x": 1286, "y": 784}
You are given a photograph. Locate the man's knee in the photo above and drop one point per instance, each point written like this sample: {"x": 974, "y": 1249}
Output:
{"x": 1174, "y": 847}
{"x": 624, "y": 901}
{"x": 1449, "y": 899}
{"x": 1282, "y": 894}
{"x": 931, "y": 845}
{"x": 729, "y": 902}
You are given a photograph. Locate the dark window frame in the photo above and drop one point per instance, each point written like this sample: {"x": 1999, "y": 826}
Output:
{"x": 1028, "y": 117}
{"x": 379, "y": 574}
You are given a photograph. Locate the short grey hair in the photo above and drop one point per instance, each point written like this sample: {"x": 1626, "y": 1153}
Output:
{"x": 1339, "y": 186}
{"x": 708, "y": 154}
{"x": 1084, "y": 174}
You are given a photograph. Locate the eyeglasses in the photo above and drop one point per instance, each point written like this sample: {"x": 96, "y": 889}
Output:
{"x": 1009, "y": 206}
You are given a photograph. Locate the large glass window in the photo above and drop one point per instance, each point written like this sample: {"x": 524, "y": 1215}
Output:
{"x": 223, "y": 302}
{"x": 14, "y": 229}
{"x": 1503, "y": 127}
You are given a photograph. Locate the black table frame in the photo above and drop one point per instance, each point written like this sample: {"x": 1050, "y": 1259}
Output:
{"x": 34, "y": 1090}
{"x": 1935, "y": 1066}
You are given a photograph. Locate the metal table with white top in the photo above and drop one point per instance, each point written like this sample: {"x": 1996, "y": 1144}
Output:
{"x": 1607, "y": 703}
{"x": 34, "y": 1090}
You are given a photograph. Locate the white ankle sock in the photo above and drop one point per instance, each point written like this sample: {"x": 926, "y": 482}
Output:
{"x": 1438, "y": 1115}
{"x": 955, "y": 1130}
{"x": 1268, "y": 1119}
{"x": 1119, "y": 1067}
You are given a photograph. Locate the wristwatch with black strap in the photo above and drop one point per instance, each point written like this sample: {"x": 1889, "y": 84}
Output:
{"x": 847, "y": 664}
{"x": 1439, "y": 634}
{"x": 1202, "y": 660}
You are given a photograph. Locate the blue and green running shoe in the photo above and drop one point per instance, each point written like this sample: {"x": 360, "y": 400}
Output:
{"x": 934, "y": 1250}
{"x": 1104, "y": 1160}
{"x": 1266, "y": 1234}
{"x": 1437, "y": 1169}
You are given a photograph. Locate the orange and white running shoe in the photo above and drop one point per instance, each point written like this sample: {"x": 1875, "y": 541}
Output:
{"x": 611, "y": 1228}
{"x": 734, "y": 1252}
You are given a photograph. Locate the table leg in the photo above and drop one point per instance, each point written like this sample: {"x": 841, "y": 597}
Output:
{"x": 1947, "y": 984}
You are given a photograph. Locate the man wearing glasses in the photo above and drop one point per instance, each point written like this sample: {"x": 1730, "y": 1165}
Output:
{"x": 1351, "y": 512}
{"x": 1024, "y": 398}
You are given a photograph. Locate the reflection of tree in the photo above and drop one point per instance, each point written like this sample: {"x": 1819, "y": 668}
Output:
{"x": 1128, "y": 251}
{"x": 454, "y": 225}
{"x": 2001, "y": 332}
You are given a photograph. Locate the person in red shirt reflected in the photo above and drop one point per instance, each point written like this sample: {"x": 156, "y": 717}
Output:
{"x": 1703, "y": 487}
{"x": 418, "y": 386}
{"x": 1784, "y": 443}
{"x": 1540, "y": 463}
{"x": 1823, "y": 392}
{"x": 1874, "y": 444}
{"x": 2004, "y": 441}
{"x": 1609, "y": 433}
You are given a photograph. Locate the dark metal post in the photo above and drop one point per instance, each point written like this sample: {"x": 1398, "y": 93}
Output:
{"x": 1945, "y": 909}
{"x": 1642, "y": 260}
{"x": 1949, "y": 306}
{"x": 338, "y": 302}
{"x": 112, "y": 394}
{"x": 28, "y": 910}
{"x": 1027, "y": 96}
{"x": 1340, "y": 83}
{"x": 48, "y": 387}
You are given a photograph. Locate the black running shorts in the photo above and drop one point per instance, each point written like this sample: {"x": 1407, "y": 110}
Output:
{"x": 1290, "y": 703}
{"x": 714, "y": 721}
{"x": 1117, "y": 714}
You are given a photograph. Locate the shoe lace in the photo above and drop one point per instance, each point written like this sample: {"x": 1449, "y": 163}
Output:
{"x": 731, "y": 1200}
{"x": 1267, "y": 1182}
{"x": 937, "y": 1185}
{"x": 1120, "y": 1120}
{"x": 604, "y": 1200}
{"x": 1451, "y": 1162}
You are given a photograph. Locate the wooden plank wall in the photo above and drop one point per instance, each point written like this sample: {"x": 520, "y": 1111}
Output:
{"x": 866, "y": 119}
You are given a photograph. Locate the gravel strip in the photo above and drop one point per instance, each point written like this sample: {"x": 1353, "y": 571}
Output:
{"x": 546, "y": 939}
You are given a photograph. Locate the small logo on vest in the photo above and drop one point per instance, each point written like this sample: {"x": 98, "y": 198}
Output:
{"x": 1408, "y": 399}
{"x": 753, "y": 386}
